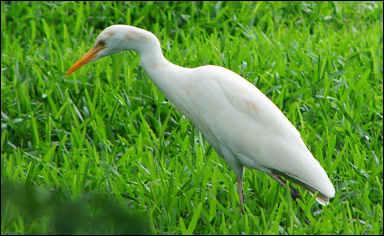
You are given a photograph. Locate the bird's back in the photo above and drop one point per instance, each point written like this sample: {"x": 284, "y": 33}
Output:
{"x": 247, "y": 129}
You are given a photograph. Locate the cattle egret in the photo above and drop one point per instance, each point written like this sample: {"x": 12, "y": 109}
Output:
{"x": 237, "y": 119}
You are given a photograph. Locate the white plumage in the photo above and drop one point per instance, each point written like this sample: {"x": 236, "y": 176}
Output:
{"x": 237, "y": 119}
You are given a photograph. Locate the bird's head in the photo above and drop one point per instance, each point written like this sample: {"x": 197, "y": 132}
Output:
{"x": 114, "y": 39}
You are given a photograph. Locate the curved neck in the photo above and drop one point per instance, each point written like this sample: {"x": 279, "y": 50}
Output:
{"x": 168, "y": 77}
{"x": 152, "y": 57}
{"x": 157, "y": 67}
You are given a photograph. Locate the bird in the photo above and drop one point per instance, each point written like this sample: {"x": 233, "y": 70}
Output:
{"x": 241, "y": 123}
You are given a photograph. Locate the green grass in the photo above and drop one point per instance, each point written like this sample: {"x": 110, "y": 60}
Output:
{"x": 106, "y": 132}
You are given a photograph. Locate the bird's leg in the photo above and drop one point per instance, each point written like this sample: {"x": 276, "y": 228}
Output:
{"x": 241, "y": 193}
{"x": 294, "y": 193}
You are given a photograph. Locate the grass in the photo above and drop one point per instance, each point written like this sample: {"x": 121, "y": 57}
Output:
{"x": 103, "y": 151}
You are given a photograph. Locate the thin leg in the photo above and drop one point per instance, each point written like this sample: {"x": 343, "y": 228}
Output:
{"x": 294, "y": 193}
{"x": 241, "y": 193}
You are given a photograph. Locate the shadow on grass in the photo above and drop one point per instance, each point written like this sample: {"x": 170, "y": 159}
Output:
{"x": 47, "y": 213}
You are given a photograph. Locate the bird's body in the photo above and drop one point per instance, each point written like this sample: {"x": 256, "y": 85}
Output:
{"x": 237, "y": 119}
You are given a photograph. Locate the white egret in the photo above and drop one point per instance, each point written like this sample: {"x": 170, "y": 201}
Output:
{"x": 238, "y": 120}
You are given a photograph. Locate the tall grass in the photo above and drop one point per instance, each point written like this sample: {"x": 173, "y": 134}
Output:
{"x": 106, "y": 138}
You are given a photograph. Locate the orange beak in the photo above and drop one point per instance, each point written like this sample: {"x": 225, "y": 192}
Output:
{"x": 89, "y": 56}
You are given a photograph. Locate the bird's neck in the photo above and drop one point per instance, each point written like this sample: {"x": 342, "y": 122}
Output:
{"x": 157, "y": 67}
{"x": 168, "y": 77}
{"x": 153, "y": 58}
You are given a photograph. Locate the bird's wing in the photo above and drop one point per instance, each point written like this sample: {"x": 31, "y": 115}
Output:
{"x": 235, "y": 116}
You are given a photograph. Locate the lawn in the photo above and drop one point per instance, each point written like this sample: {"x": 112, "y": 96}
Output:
{"x": 102, "y": 151}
